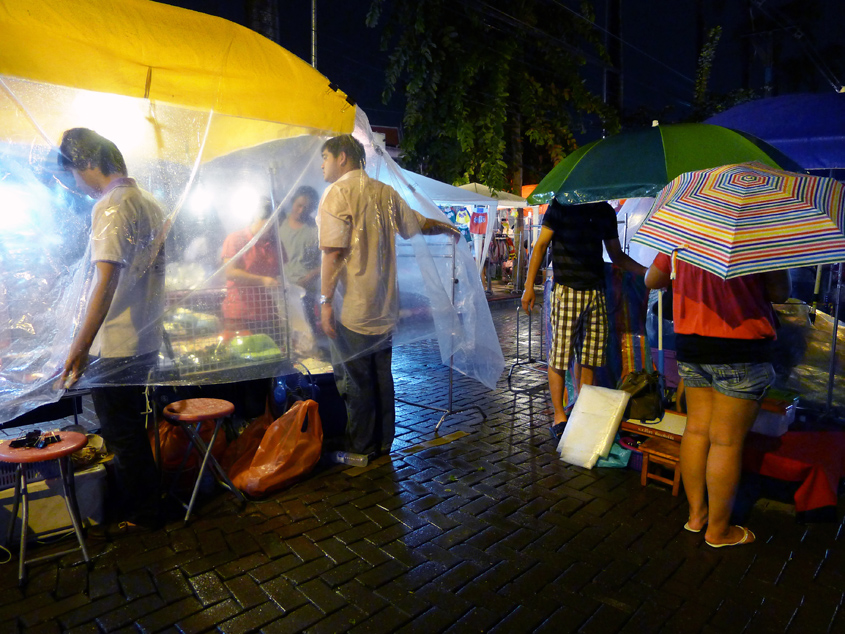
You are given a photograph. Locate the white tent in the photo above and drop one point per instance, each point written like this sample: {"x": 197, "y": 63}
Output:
{"x": 505, "y": 199}
{"x": 445, "y": 195}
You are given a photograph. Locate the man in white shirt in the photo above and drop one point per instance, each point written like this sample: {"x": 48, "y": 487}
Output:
{"x": 118, "y": 338}
{"x": 359, "y": 219}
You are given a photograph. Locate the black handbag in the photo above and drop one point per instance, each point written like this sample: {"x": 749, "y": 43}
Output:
{"x": 646, "y": 401}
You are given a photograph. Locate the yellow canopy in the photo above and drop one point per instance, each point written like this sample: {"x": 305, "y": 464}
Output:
{"x": 166, "y": 54}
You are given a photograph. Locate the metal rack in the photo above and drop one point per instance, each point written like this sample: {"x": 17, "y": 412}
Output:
{"x": 533, "y": 363}
{"x": 199, "y": 341}
{"x": 448, "y": 411}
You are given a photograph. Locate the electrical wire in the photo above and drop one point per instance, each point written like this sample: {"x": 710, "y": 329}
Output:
{"x": 797, "y": 33}
{"x": 625, "y": 42}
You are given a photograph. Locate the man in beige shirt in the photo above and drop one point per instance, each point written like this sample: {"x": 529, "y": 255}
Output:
{"x": 359, "y": 219}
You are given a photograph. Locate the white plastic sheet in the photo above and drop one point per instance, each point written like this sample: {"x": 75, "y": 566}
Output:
{"x": 46, "y": 262}
{"x": 592, "y": 425}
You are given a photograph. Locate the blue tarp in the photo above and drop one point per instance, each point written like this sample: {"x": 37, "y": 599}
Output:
{"x": 809, "y": 128}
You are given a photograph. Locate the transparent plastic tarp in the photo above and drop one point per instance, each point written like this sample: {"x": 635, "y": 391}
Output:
{"x": 227, "y": 214}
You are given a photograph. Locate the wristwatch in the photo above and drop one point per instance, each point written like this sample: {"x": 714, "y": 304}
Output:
{"x": 325, "y": 300}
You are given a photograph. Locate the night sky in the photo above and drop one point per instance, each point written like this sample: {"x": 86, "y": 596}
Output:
{"x": 661, "y": 42}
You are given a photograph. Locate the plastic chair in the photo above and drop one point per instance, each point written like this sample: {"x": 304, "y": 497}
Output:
{"x": 190, "y": 415}
{"x": 21, "y": 456}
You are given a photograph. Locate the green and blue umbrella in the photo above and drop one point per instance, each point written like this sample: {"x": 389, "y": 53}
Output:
{"x": 641, "y": 162}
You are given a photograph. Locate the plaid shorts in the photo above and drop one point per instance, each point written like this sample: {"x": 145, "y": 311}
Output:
{"x": 579, "y": 324}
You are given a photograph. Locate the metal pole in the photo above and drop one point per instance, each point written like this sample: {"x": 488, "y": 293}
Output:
{"x": 452, "y": 333}
{"x": 314, "y": 33}
{"x": 832, "y": 369}
{"x": 816, "y": 291}
{"x": 660, "y": 331}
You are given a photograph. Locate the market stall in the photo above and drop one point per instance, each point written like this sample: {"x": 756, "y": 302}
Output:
{"x": 478, "y": 211}
{"x": 215, "y": 121}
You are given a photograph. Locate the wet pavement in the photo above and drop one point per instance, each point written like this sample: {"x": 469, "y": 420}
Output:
{"x": 479, "y": 528}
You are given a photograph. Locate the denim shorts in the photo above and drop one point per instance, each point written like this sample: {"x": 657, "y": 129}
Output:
{"x": 739, "y": 380}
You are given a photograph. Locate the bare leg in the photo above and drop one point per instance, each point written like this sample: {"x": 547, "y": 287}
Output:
{"x": 730, "y": 421}
{"x": 557, "y": 388}
{"x": 695, "y": 446}
{"x": 586, "y": 375}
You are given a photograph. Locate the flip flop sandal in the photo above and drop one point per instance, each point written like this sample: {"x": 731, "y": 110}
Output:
{"x": 556, "y": 431}
{"x": 692, "y": 530}
{"x": 745, "y": 535}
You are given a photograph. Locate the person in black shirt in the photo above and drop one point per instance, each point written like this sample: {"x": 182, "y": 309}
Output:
{"x": 578, "y": 311}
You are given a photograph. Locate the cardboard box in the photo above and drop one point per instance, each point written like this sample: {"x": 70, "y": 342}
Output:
{"x": 47, "y": 510}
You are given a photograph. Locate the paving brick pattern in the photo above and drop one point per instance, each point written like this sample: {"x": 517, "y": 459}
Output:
{"x": 488, "y": 532}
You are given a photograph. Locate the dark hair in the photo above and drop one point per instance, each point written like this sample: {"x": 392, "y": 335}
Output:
{"x": 82, "y": 148}
{"x": 349, "y": 145}
{"x": 265, "y": 208}
{"x": 308, "y": 192}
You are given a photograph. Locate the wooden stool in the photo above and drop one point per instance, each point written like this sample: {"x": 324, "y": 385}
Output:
{"x": 196, "y": 411}
{"x": 60, "y": 452}
{"x": 665, "y": 453}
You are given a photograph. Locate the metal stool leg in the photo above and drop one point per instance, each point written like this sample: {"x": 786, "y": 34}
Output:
{"x": 70, "y": 501}
{"x": 206, "y": 452}
{"x": 15, "y": 505}
{"x": 24, "y": 526}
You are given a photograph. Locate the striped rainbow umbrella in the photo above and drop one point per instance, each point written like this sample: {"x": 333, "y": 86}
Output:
{"x": 748, "y": 218}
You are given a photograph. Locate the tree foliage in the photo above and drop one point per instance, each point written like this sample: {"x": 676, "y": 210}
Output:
{"x": 491, "y": 87}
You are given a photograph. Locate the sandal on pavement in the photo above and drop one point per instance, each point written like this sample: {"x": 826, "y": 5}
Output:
{"x": 746, "y": 534}
{"x": 556, "y": 430}
{"x": 687, "y": 527}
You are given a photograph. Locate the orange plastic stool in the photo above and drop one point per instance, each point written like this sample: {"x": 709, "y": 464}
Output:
{"x": 665, "y": 453}
{"x": 60, "y": 452}
{"x": 190, "y": 415}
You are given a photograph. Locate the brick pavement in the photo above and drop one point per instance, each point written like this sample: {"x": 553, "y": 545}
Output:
{"x": 487, "y": 532}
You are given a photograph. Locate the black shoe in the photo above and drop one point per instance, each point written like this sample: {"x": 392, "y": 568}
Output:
{"x": 556, "y": 431}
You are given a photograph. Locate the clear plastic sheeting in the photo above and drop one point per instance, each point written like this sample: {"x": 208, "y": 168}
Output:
{"x": 431, "y": 305}
{"x": 802, "y": 357}
{"x": 237, "y": 304}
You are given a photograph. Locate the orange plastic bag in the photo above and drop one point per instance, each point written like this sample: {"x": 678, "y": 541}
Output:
{"x": 247, "y": 443}
{"x": 174, "y": 443}
{"x": 289, "y": 449}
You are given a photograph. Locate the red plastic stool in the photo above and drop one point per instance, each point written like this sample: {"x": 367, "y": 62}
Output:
{"x": 60, "y": 452}
{"x": 190, "y": 415}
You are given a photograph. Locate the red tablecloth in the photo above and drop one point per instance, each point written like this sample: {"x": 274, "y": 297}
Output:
{"x": 816, "y": 459}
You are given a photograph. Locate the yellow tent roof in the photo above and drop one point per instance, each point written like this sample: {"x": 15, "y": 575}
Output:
{"x": 150, "y": 50}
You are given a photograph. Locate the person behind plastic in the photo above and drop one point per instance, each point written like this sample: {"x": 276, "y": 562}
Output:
{"x": 578, "y": 310}
{"x": 301, "y": 249}
{"x": 358, "y": 221}
{"x": 252, "y": 276}
{"x": 119, "y": 336}
{"x": 723, "y": 339}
